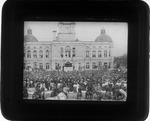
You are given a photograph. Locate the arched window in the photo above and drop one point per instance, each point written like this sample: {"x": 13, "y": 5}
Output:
{"x": 28, "y": 66}
{"x": 41, "y": 54}
{"x": 93, "y": 53}
{"x": 47, "y": 53}
{"x": 68, "y": 52}
{"x": 35, "y": 54}
{"x": 61, "y": 52}
{"x": 87, "y": 65}
{"x": 99, "y": 53}
{"x": 105, "y": 53}
{"x": 73, "y": 52}
{"x": 87, "y": 51}
{"x": 28, "y": 54}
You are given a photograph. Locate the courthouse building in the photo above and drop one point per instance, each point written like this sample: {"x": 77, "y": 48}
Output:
{"x": 67, "y": 53}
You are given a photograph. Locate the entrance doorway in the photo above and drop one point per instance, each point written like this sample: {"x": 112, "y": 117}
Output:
{"x": 68, "y": 66}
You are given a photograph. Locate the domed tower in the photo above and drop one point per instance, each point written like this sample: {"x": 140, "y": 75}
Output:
{"x": 29, "y": 37}
{"x": 103, "y": 37}
{"x": 107, "y": 48}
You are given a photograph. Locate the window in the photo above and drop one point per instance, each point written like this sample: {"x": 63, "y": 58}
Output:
{"x": 105, "y": 53}
{"x": 34, "y": 65}
{"x": 109, "y": 53}
{"x": 47, "y": 65}
{"x": 79, "y": 66}
{"x": 35, "y": 54}
{"x": 94, "y": 65}
{"x": 73, "y": 52}
{"x": 41, "y": 66}
{"x": 41, "y": 54}
{"x": 61, "y": 52}
{"x": 28, "y": 54}
{"x": 87, "y": 53}
{"x": 47, "y": 54}
{"x": 93, "y": 53}
{"x": 99, "y": 53}
{"x": 105, "y": 65}
{"x": 87, "y": 65}
{"x": 68, "y": 52}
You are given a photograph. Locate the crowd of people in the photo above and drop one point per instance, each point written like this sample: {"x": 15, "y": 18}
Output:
{"x": 100, "y": 85}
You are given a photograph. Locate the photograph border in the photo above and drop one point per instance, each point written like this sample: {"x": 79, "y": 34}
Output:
{"x": 15, "y": 13}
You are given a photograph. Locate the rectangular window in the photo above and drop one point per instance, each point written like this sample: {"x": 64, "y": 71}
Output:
{"x": 47, "y": 56}
{"x": 41, "y": 66}
{"x": 41, "y": 56}
{"x": 87, "y": 65}
{"x": 47, "y": 65}
{"x": 99, "y": 53}
{"x": 94, "y": 65}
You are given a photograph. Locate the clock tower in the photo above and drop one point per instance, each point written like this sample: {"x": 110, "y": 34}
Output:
{"x": 66, "y": 31}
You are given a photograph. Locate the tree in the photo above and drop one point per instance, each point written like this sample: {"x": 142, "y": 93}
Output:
{"x": 121, "y": 60}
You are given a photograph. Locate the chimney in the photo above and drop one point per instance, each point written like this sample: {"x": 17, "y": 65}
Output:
{"x": 54, "y": 35}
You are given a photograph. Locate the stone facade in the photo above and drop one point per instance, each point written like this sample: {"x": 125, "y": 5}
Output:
{"x": 67, "y": 53}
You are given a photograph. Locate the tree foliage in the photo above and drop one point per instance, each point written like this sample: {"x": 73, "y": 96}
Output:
{"x": 121, "y": 60}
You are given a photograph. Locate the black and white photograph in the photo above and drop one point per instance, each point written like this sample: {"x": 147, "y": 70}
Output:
{"x": 67, "y": 60}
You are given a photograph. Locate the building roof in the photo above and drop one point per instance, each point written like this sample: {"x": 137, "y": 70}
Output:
{"x": 103, "y": 37}
{"x": 29, "y": 37}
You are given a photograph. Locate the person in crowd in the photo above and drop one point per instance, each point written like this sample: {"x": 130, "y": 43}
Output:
{"x": 79, "y": 92}
{"x": 25, "y": 93}
{"x": 99, "y": 85}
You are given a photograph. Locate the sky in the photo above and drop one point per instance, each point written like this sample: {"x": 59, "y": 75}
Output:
{"x": 85, "y": 31}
